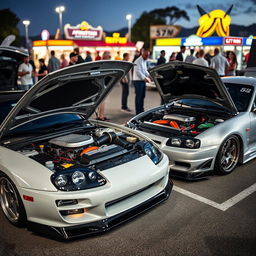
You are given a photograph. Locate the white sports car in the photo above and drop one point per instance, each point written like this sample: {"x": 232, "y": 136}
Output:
{"x": 65, "y": 175}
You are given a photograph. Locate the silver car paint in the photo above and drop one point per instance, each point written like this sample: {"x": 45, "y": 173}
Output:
{"x": 212, "y": 138}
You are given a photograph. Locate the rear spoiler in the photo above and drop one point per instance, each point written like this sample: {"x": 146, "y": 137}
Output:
{"x": 251, "y": 65}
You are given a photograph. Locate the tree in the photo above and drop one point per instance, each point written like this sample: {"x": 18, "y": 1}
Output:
{"x": 169, "y": 15}
{"x": 8, "y": 25}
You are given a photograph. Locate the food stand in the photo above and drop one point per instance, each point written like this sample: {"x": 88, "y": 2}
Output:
{"x": 87, "y": 38}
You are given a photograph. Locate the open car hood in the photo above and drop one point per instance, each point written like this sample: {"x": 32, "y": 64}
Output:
{"x": 176, "y": 80}
{"x": 13, "y": 52}
{"x": 77, "y": 89}
{"x": 10, "y": 57}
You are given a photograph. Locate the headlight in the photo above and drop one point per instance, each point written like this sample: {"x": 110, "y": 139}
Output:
{"x": 152, "y": 152}
{"x": 184, "y": 142}
{"x": 176, "y": 142}
{"x": 77, "y": 179}
{"x": 61, "y": 180}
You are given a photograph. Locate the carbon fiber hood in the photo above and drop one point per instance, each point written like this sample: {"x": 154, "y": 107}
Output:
{"x": 177, "y": 80}
{"x": 77, "y": 89}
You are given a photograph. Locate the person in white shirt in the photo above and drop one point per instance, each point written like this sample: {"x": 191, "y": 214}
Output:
{"x": 25, "y": 72}
{"x": 219, "y": 62}
{"x": 140, "y": 77}
{"x": 201, "y": 60}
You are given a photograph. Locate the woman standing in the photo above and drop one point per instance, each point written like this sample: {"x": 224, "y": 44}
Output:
{"x": 231, "y": 70}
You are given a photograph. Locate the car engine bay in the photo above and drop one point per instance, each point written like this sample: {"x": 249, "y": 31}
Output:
{"x": 166, "y": 122}
{"x": 98, "y": 149}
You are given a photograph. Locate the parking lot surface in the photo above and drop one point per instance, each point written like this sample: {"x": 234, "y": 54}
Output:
{"x": 214, "y": 216}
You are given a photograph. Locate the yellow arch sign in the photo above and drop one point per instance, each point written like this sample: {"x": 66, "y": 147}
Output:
{"x": 216, "y": 20}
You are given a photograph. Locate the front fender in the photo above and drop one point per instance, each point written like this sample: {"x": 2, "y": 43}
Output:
{"x": 24, "y": 171}
{"x": 217, "y": 134}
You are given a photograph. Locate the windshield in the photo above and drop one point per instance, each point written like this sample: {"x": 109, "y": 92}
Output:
{"x": 241, "y": 94}
{"x": 46, "y": 122}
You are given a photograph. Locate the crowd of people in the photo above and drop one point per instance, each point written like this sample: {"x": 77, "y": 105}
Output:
{"x": 29, "y": 75}
{"x": 138, "y": 77}
{"x": 225, "y": 65}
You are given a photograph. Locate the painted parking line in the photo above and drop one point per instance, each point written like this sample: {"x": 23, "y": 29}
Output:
{"x": 223, "y": 206}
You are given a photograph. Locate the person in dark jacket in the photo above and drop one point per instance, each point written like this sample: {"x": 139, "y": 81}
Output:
{"x": 72, "y": 58}
{"x": 180, "y": 55}
{"x": 42, "y": 70}
{"x": 79, "y": 57}
{"x": 161, "y": 59}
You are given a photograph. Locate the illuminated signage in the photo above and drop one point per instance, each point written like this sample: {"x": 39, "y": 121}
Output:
{"x": 212, "y": 40}
{"x": 53, "y": 43}
{"x": 83, "y": 31}
{"x": 215, "y": 21}
{"x": 164, "y": 31}
{"x": 45, "y": 35}
{"x": 168, "y": 41}
{"x": 192, "y": 41}
{"x": 248, "y": 41}
{"x": 199, "y": 41}
{"x": 116, "y": 39}
{"x": 233, "y": 41}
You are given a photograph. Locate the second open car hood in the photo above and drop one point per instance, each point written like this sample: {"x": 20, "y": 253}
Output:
{"x": 13, "y": 52}
{"x": 176, "y": 80}
{"x": 77, "y": 89}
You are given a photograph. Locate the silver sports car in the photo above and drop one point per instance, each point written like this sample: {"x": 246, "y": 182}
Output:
{"x": 207, "y": 124}
{"x": 65, "y": 175}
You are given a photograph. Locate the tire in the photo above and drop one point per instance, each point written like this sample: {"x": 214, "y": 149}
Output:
{"x": 228, "y": 155}
{"x": 11, "y": 203}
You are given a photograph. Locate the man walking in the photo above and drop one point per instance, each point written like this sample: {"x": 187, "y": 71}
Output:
{"x": 25, "y": 72}
{"x": 54, "y": 63}
{"x": 219, "y": 62}
{"x": 140, "y": 77}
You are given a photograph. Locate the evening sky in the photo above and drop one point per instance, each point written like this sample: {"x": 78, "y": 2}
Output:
{"x": 110, "y": 14}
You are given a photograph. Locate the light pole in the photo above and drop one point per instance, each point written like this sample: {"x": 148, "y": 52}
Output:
{"x": 26, "y": 23}
{"x": 129, "y": 19}
{"x": 60, "y": 10}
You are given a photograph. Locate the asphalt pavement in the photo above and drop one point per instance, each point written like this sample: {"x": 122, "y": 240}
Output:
{"x": 214, "y": 216}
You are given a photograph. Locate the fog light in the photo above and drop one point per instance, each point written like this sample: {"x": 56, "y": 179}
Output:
{"x": 71, "y": 212}
{"x": 66, "y": 202}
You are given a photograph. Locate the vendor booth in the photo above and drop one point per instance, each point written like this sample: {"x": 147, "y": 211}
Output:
{"x": 88, "y": 39}
{"x": 240, "y": 45}
{"x": 216, "y": 22}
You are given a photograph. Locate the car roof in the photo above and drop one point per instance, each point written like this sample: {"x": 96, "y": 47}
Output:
{"x": 240, "y": 80}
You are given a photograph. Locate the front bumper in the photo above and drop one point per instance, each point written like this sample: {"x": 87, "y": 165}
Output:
{"x": 189, "y": 164}
{"x": 102, "y": 225}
